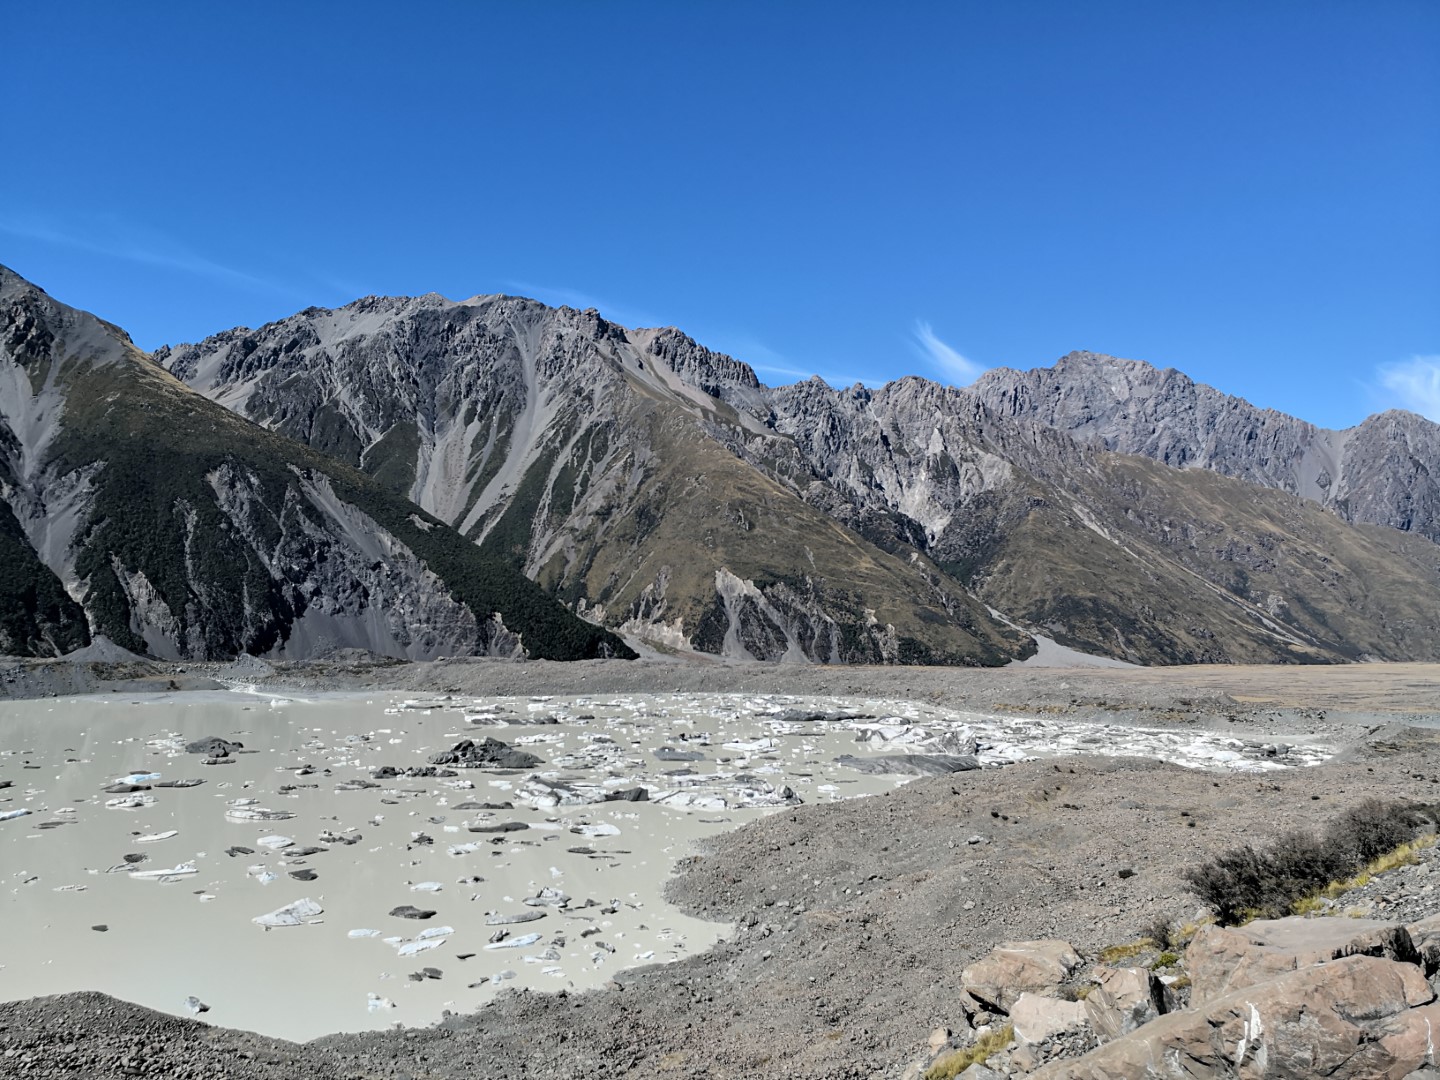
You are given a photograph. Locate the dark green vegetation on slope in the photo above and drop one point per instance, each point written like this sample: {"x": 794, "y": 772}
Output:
{"x": 217, "y": 525}
{"x": 155, "y": 512}
{"x": 37, "y": 616}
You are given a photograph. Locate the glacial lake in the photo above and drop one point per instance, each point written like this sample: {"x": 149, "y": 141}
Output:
{"x": 312, "y": 826}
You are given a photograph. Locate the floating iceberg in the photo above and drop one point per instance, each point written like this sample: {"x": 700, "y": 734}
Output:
{"x": 515, "y": 943}
{"x": 293, "y": 914}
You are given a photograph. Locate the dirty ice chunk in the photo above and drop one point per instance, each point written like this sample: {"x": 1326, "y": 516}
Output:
{"x": 130, "y": 802}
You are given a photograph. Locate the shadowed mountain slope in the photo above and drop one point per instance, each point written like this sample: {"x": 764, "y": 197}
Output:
{"x": 136, "y": 508}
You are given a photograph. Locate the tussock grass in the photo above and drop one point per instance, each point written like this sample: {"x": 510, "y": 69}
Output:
{"x": 983, "y": 1049}
{"x": 1114, "y": 954}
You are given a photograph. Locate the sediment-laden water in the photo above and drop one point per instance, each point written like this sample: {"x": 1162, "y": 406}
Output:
{"x": 268, "y": 890}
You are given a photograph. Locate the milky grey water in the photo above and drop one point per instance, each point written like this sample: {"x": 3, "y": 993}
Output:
{"x": 593, "y": 871}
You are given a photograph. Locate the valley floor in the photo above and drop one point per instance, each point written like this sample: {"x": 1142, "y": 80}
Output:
{"x": 856, "y": 917}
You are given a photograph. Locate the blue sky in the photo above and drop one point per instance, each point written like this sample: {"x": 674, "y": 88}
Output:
{"x": 1244, "y": 191}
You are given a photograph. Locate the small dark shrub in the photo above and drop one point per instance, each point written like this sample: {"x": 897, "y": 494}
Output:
{"x": 1161, "y": 933}
{"x": 1243, "y": 881}
{"x": 1370, "y": 830}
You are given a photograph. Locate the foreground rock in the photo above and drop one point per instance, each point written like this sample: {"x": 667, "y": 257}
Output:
{"x": 1124, "y": 999}
{"x": 1222, "y": 959}
{"x": 1358, "y": 1017}
{"x": 1016, "y": 968}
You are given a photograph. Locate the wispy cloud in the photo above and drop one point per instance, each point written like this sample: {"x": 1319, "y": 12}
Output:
{"x": 559, "y": 295}
{"x": 1413, "y": 384}
{"x": 111, "y": 237}
{"x": 767, "y": 362}
{"x": 957, "y": 369}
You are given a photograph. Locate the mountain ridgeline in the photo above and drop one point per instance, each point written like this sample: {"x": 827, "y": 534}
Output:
{"x": 658, "y": 489}
{"x": 132, "y": 507}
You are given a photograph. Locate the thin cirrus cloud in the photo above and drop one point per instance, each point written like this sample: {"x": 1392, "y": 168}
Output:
{"x": 956, "y": 368}
{"x": 560, "y": 296}
{"x": 109, "y": 237}
{"x": 1413, "y": 384}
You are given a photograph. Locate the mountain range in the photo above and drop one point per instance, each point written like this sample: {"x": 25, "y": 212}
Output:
{"x": 418, "y": 476}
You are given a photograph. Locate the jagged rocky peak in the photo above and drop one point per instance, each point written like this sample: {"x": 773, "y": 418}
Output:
{"x": 1378, "y": 472}
{"x": 703, "y": 368}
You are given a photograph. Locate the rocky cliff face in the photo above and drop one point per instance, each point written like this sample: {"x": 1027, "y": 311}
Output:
{"x": 1378, "y": 472}
{"x": 133, "y": 507}
{"x": 657, "y": 486}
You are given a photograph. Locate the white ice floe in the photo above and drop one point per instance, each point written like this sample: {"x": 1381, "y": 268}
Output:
{"x": 130, "y": 802}
{"x": 275, "y": 843}
{"x": 514, "y": 943}
{"x": 411, "y": 948}
{"x": 363, "y": 933}
{"x": 257, "y": 813}
{"x": 155, "y": 838}
{"x": 185, "y": 869}
{"x": 295, "y": 913}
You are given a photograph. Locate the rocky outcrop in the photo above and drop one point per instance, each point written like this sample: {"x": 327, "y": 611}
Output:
{"x": 1221, "y": 959}
{"x": 1293, "y": 997}
{"x": 1359, "y": 1017}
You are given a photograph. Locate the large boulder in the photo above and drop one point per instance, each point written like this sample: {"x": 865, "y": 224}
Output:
{"x": 1037, "y": 1019}
{"x": 1426, "y": 936}
{"x": 1221, "y": 959}
{"x": 1017, "y": 967}
{"x": 1357, "y": 1018}
{"x": 1124, "y": 999}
